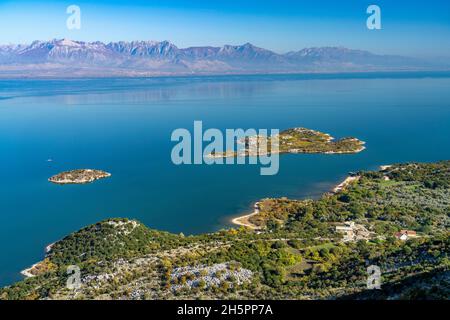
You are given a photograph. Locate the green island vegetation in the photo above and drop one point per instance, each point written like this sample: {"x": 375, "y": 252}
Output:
{"x": 396, "y": 219}
{"x": 295, "y": 140}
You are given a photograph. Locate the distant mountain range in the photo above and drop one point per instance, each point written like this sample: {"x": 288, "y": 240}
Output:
{"x": 68, "y": 58}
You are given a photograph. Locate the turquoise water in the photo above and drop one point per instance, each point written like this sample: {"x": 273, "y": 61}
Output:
{"x": 123, "y": 126}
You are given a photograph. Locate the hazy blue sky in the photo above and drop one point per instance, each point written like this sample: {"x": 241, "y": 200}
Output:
{"x": 418, "y": 28}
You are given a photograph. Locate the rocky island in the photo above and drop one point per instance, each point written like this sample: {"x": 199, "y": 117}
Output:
{"x": 80, "y": 176}
{"x": 295, "y": 140}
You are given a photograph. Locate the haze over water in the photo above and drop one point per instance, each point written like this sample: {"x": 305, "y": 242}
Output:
{"x": 123, "y": 126}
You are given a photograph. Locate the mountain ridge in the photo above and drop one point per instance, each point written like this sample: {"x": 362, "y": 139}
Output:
{"x": 163, "y": 57}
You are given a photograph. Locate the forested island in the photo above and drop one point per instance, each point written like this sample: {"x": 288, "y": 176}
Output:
{"x": 294, "y": 140}
{"x": 396, "y": 218}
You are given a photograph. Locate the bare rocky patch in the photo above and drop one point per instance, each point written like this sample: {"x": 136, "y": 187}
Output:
{"x": 80, "y": 176}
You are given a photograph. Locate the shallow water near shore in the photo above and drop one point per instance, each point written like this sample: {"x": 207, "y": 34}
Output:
{"x": 123, "y": 126}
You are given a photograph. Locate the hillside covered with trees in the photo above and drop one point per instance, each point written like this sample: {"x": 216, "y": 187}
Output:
{"x": 400, "y": 221}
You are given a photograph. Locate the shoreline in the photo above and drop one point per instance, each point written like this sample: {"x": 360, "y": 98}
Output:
{"x": 27, "y": 272}
{"x": 341, "y": 186}
{"x": 233, "y": 154}
{"x": 244, "y": 219}
{"x": 357, "y": 74}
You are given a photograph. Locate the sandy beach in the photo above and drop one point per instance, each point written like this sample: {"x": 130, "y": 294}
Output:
{"x": 345, "y": 183}
{"x": 244, "y": 220}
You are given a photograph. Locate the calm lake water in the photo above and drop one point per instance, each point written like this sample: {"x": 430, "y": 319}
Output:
{"x": 124, "y": 126}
